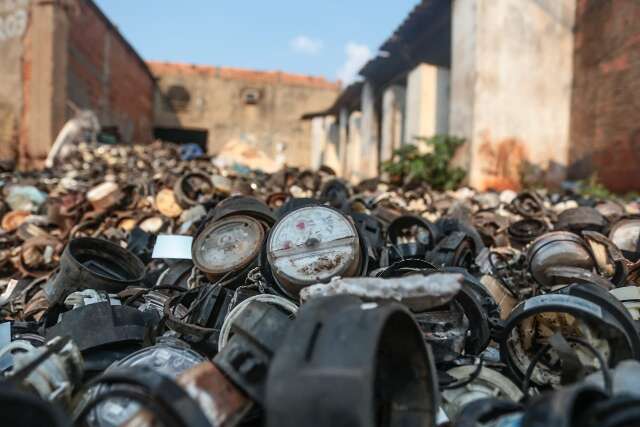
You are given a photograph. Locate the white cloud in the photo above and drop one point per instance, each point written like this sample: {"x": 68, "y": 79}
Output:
{"x": 357, "y": 55}
{"x": 306, "y": 45}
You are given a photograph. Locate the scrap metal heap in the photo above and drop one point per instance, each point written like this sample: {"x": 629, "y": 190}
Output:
{"x": 142, "y": 287}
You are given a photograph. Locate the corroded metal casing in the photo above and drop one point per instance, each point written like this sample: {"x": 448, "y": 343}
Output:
{"x": 228, "y": 245}
{"x": 625, "y": 234}
{"x": 557, "y": 249}
{"x": 89, "y": 263}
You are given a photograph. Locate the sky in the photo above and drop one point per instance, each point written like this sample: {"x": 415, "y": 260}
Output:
{"x": 329, "y": 38}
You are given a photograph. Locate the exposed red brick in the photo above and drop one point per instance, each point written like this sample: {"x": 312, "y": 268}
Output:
{"x": 167, "y": 68}
{"x": 120, "y": 91}
{"x": 618, "y": 64}
{"x": 605, "y": 106}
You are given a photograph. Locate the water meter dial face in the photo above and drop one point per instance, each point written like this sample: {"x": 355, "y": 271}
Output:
{"x": 311, "y": 245}
{"x": 228, "y": 245}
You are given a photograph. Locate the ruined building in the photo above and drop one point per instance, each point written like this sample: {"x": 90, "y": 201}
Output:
{"x": 62, "y": 56}
{"x": 214, "y": 106}
{"x": 547, "y": 86}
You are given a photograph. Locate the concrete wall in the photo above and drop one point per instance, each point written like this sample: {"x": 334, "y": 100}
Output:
{"x": 511, "y": 87}
{"x": 605, "y": 125}
{"x": 14, "y": 20}
{"x": 105, "y": 75}
{"x": 217, "y": 103}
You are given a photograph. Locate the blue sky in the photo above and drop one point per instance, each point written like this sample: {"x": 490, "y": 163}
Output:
{"x": 329, "y": 38}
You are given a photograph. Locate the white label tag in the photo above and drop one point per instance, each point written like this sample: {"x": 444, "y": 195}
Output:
{"x": 172, "y": 246}
{"x": 575, "y": 302}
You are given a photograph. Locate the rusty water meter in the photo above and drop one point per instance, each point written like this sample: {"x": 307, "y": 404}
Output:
{"x": 625, "y": 234}
{"x": 311, "y": 245}
{"x": 228, "y": 245}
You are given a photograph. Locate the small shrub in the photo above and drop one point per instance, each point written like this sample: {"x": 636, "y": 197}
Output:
{"x": 593, "y": 188}
{"x": 433, "y": 167}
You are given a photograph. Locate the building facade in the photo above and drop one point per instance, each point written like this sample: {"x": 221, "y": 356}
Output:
{"x": 62, "y": 56}
{"x": 540, "y": 89}
{"x": 59, "y": 57}
{"x": 216, "y": 106}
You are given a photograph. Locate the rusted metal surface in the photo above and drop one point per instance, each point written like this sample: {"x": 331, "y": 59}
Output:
{"x": 220, "y": 401}
{"x": 516, "y": 283}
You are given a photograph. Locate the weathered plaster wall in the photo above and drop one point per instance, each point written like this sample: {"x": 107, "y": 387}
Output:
{"x": 14, "y": 20}
{"x": 218, "y": 103}
{"x": 511, "y": 80}
{"x": 605, "y": 125}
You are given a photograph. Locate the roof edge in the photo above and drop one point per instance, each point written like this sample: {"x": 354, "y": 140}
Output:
{"x": 236, "y": 73}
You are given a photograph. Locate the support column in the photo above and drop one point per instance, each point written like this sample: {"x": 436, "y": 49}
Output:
{"x": 354, "y": 147}
{"x": 369, "y": 155}
{"x": 330, "y": 154}
{"x": 427, "y": 102}
{"x": 343, "y": 144}
{"x": 393, "y": 112}
{"x": 511, "y": 89}
{"x": 317, "y": 141}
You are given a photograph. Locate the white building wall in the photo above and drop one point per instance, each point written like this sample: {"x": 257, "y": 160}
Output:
{"x": 512, "y": 64}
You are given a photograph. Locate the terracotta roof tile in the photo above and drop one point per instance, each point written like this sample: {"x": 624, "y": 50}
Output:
{"x": 160, "y": 68}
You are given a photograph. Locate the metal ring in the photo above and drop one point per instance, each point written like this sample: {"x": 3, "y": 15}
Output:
{"x": 225, "y": 331}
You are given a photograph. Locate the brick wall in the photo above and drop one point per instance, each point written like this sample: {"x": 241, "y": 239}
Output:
{"x": 605, "y": 110}
{"x": 107, "y": 76}
{"x": 217, "y": 105}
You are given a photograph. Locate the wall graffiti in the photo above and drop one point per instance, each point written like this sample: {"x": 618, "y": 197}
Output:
{"x": 13, "y": 23}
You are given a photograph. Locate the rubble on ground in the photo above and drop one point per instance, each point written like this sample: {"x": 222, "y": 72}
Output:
{"x": 144, "y": 286}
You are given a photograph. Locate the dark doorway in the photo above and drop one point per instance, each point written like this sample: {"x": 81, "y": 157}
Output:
{"x": 183, "y": 136}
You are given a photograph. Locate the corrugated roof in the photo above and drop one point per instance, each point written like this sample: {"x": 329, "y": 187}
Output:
{"x": 349, "y": 99}
{"x": 163, "y": 68}
{"x": 423, "y": 37}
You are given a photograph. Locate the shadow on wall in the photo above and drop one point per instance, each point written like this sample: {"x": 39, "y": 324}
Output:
{"x": 177, "y": 98}
{"x": 533, "y": 176}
